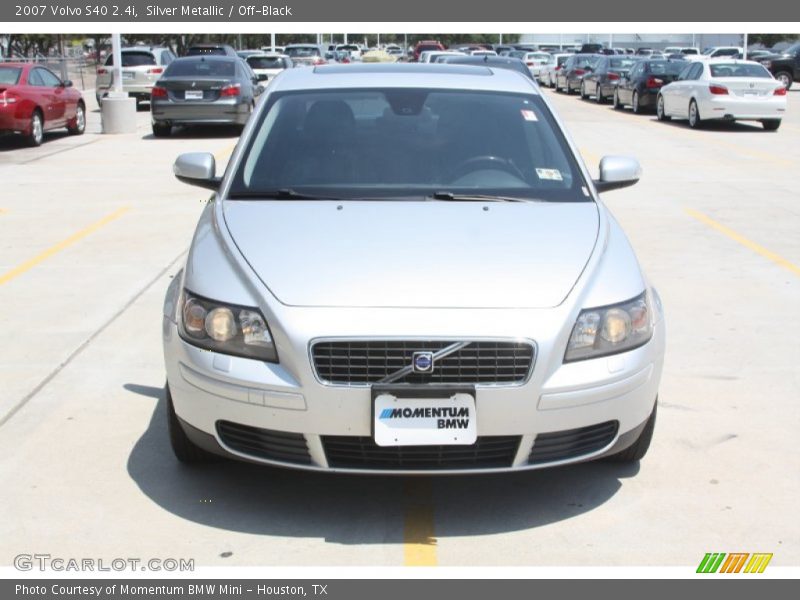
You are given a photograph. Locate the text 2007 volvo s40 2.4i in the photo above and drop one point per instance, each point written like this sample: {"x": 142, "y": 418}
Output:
{"x": 407, "y": 269}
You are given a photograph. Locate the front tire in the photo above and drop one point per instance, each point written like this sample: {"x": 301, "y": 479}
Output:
{"x": 79, "y": 124}
{"x": 615, "y": 102}
{"x": 694, "y": 115}
{"x": 637, "y": 451}
{"x": 598, "y": 95}
{"x": 583, "y": 91}
{"x": 182, "y": 447}
{"x": 771, "y": 124}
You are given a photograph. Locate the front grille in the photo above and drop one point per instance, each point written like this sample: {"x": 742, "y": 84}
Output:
{"x": 264, "y": 443}
{"x": 572, "y": 443}
{"x": 364, "y": 362}
{"x": 363, "y": 453}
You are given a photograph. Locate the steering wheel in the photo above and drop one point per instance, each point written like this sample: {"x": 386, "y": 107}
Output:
{"x": 487, "y": 161}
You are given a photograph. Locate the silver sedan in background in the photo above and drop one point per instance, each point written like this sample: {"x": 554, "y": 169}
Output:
{"x": 385, "y": 283}
{"x": 203, "y": 90}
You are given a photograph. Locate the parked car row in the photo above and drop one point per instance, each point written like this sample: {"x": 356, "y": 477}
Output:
{"x": 696, "y": 88}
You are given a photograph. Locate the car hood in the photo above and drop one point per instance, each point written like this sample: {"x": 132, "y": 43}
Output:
{"x": 415, "y": 254}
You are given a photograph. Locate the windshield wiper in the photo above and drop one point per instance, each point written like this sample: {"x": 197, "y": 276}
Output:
{"x": 281, "y": 194}
{"x": 452, "y": 197}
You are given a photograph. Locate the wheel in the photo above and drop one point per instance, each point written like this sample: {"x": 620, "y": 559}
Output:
{"x": 636, "y": 451}
{"x": 78, "y": 125}
{"x": 615, "y": 101}
{"x": 36, "y": 133}
{"x": 567, "y": 88}
{"x": 771, "y": 124}
{"x": 184, "y": 449}
{"x": 785, "y": 78}
{"x": 161, "y": 129}
{"x": 660, "y": 114}
{"x": 635, "y": 106}
{"x": 583, "y": 90}
{"x": 694, "y": 115}
{"x": 598, "y": 95}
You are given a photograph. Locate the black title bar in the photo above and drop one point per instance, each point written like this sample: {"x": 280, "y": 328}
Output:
{"x": 361, "y": 11}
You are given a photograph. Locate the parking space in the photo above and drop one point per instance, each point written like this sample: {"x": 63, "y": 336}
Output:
{"x": 93, "y": 227}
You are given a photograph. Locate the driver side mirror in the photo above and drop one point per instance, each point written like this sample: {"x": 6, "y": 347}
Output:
{"x": 197, "y": 168}
{"x": 67, "y": 83}
{"x": 617, "y": 172}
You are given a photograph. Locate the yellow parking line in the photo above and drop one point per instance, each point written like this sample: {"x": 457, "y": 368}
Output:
{"x": 52, "y": 250}
{"x": 737, "y": 237}
{"x": 225, "y": 153}
{"x": 419, "y": 543}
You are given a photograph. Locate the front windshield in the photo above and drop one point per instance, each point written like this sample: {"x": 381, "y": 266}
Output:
{"x": 379, "y": 143}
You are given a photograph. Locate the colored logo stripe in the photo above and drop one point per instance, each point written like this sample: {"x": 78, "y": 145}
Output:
{"x": 758, "y": 562}
{"x": 713, "y": 562}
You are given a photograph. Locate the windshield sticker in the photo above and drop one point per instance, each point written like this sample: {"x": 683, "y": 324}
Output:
{"x": 551, "y": 174}
{"x": 528, "y": 115}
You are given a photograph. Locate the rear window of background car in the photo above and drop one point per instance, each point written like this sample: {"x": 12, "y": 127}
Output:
{"x": 739, "y": 70}
{"x": 9, "y": 75}
{"x": 621, "y": 63}
{"x": 264, "y": 62}
{"x": 667, "y": 68}
{"x": 201, "y": 68}
{"x": 133, "y": 59}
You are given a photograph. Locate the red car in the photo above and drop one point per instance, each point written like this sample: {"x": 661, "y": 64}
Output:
{"x": 34, "y": 100}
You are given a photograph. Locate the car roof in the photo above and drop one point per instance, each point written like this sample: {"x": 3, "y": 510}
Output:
{"x": 268, "y": 55}
{"x": 405, "y": 75}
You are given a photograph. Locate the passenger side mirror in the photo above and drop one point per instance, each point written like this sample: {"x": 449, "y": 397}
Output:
{"x": 617, "y": 172}
{"x": 197, "y": 168}
{"x": 66, "y": 83}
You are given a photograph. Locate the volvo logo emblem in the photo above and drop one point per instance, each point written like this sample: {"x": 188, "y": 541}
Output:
{"x": 422, "y": 362}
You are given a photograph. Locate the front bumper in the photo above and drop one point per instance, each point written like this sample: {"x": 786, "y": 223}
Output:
{"x": 214, "y": 394}
{"x": 233, "y": 112}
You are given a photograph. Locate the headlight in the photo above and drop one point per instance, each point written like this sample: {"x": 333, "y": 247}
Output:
{"x": 611, "y": 329}
{"x": 225, "y": 328}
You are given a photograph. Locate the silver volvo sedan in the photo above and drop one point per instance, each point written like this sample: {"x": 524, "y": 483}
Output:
{"x": 407, "y": 268}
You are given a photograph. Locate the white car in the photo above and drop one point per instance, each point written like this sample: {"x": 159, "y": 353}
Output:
{"x": 483, "y": 53}
{"x": 431, "y": 56}
{"x": 354, "y": 50}
{"x": 267, "y": 65}
{"x": 687, "y": 50}
{"x": 731, "y": 90}
{"x": 535, "y": 61}
{"x": 717, "y": 52}
{"x": 547, "y": 74}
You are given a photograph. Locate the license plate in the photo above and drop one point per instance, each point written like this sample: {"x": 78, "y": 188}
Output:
{"x": 193, "y": 95}
{"x": 423, "y": 419}
{"x": 128, "y": 75}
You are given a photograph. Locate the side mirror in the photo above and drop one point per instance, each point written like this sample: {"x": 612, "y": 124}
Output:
{"x": 197, "y": 168}
{"x": 262, "y": 76}
{"x": 617, "y": 172}
{"x": 66, "y": 83}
